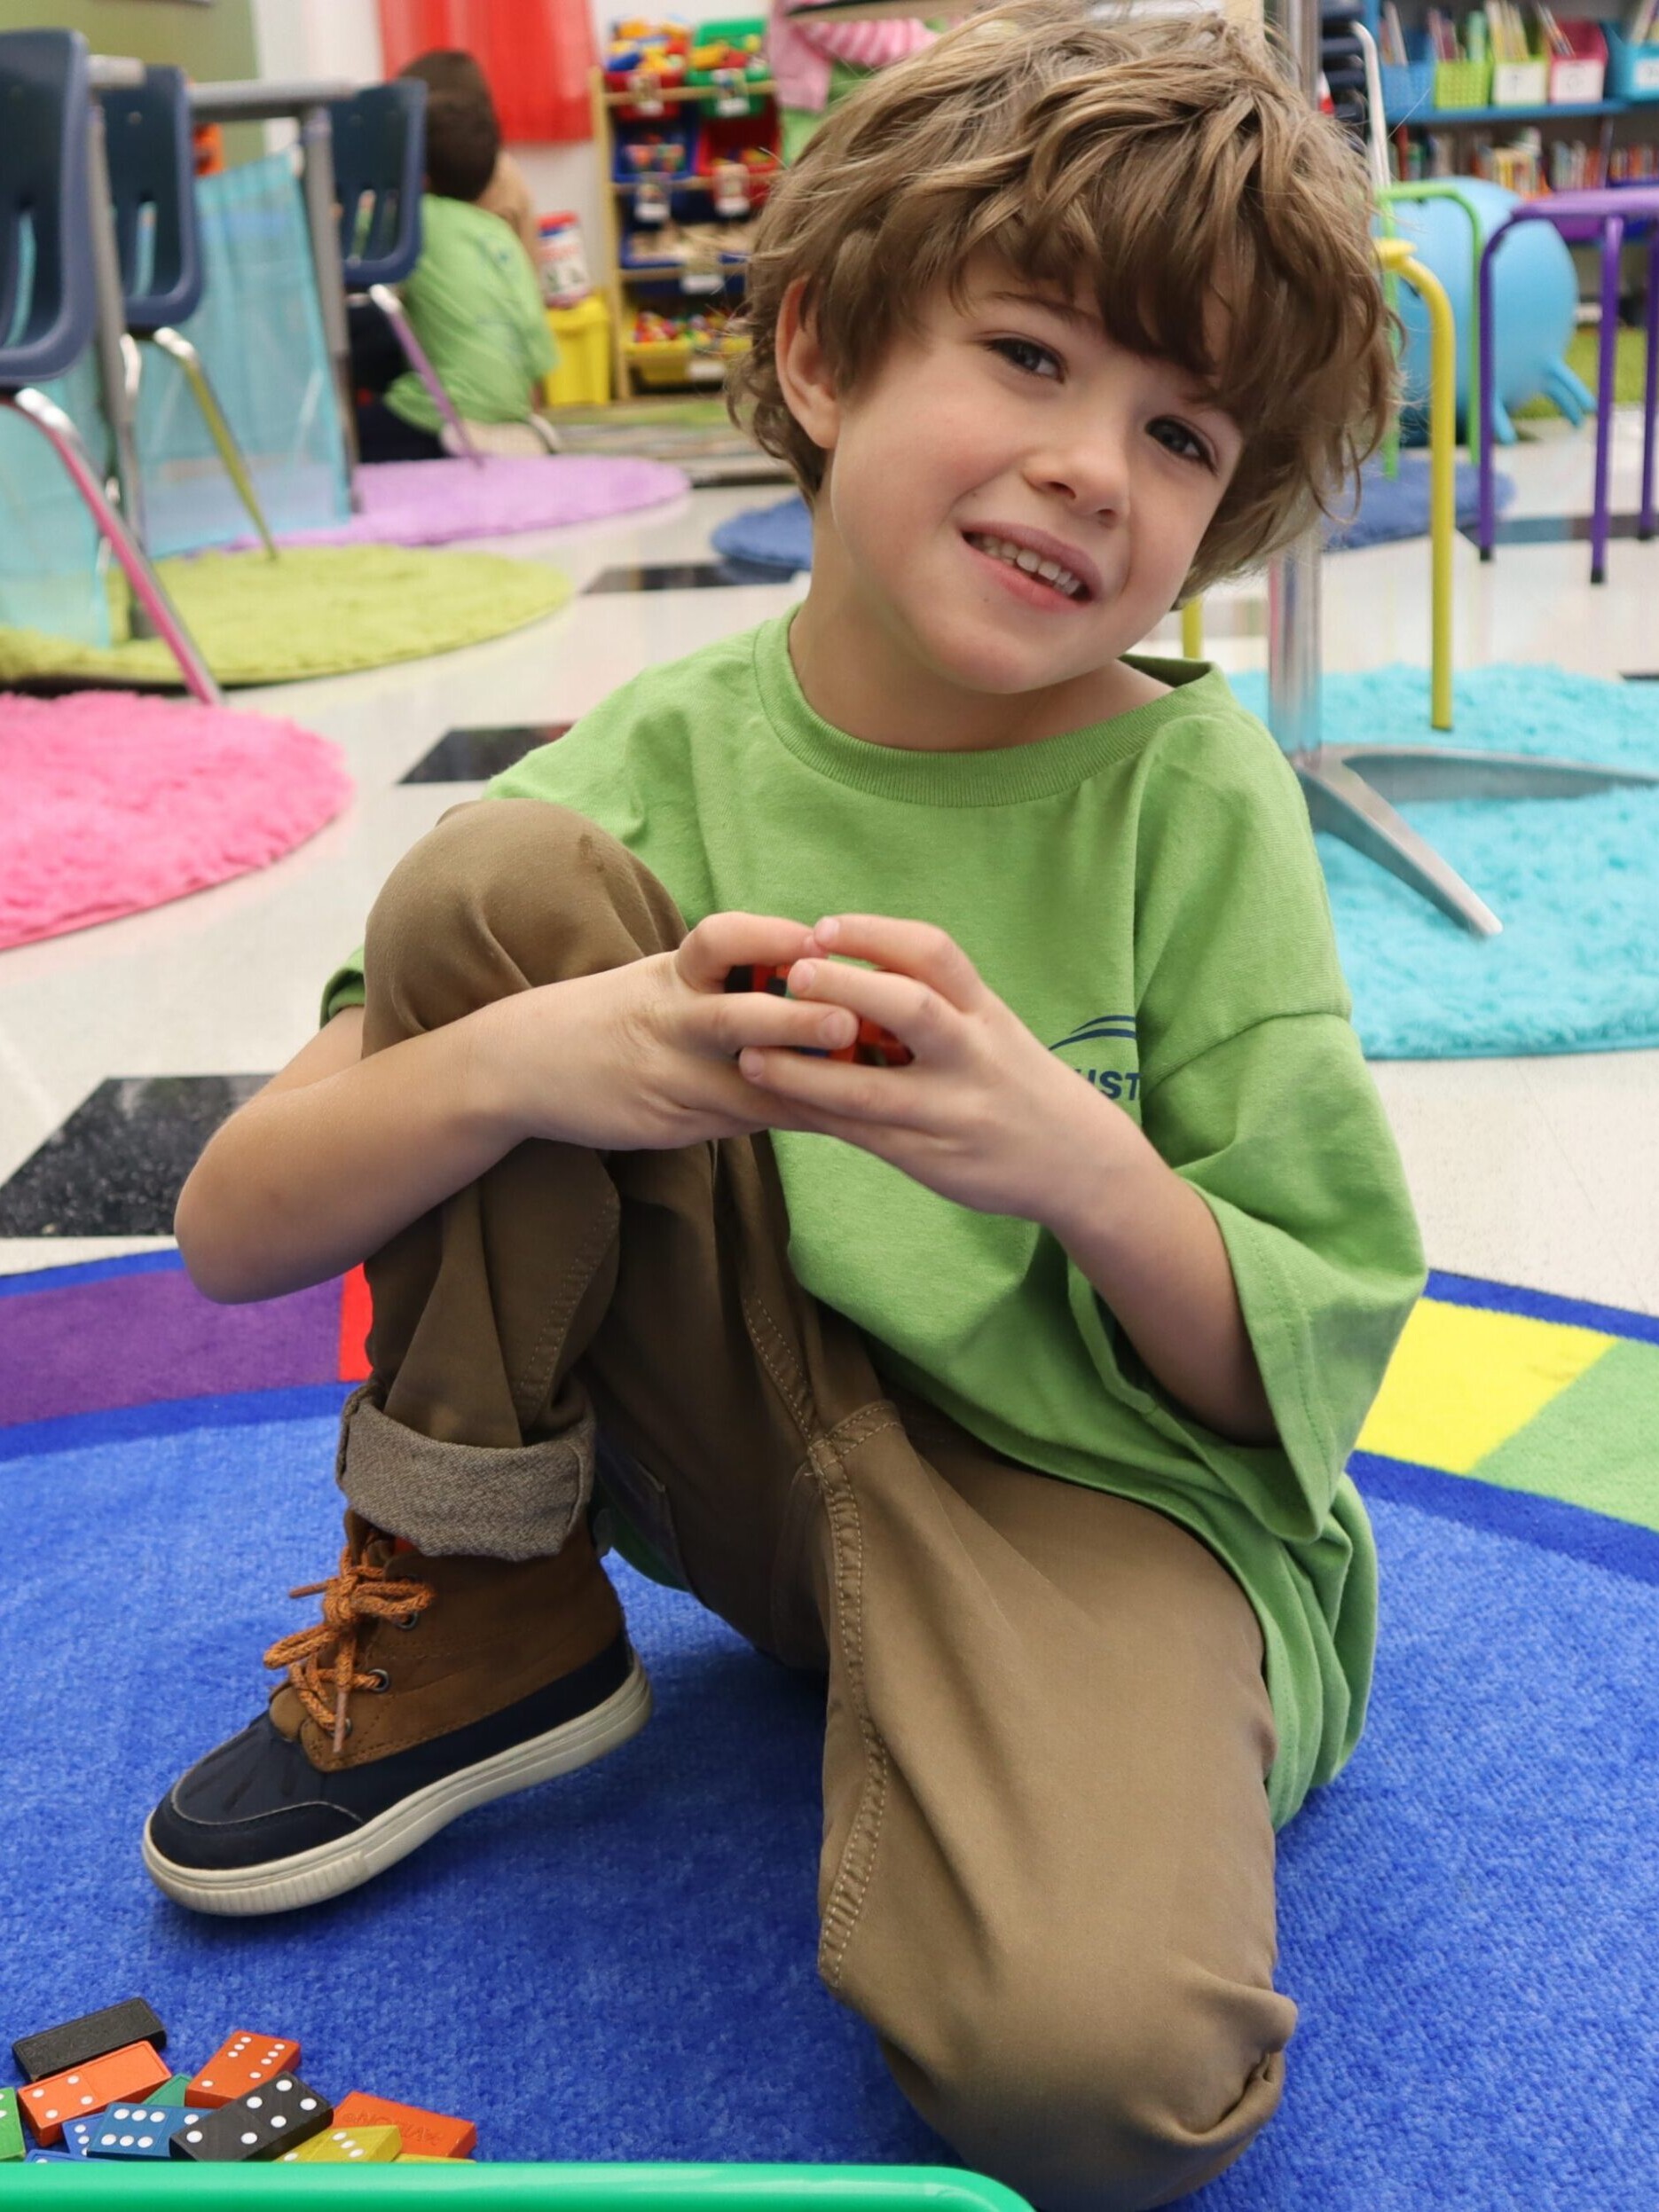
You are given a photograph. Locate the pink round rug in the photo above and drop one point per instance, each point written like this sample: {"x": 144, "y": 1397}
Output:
{"x": 116, "y": 801}
{"x": 431, "y": 502}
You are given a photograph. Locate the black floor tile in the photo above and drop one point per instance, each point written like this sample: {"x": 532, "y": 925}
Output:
{"x": 475, "y": 756}
{"x": 116, "y": 1166}
{"x": 1552, "y": 530}
{"x": 686, "y": 576}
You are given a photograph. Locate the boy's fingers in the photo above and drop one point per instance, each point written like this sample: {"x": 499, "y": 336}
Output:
{"x": 912, "y": 1011}
{"x": 723, "y": 941}
{"x": 725, "y": 1024}
{"x": 916, "y": 948}
{"x": 837, "y": 1089}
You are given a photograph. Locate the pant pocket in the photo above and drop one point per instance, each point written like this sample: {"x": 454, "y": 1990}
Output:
{"x": 633, "y": 1514}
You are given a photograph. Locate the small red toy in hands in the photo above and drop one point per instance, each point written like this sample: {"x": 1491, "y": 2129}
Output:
{"x": 874, "y": 1046}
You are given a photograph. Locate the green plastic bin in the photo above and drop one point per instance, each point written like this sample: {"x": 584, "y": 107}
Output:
{"x": 106, "y": 2185}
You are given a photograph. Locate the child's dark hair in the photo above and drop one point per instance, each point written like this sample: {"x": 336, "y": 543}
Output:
{"x": 463, "y": 141}
{"x": 448, "y": 69}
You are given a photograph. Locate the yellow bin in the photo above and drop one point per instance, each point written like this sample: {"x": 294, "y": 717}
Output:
{"x": 582, "y": 334}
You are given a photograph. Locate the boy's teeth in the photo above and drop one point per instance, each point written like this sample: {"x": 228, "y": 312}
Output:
{"x": 1033, "y": 564}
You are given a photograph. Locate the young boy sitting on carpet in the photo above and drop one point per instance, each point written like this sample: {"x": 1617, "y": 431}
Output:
{"x": 473, "y": 300}
{"x": 1011, "y": 1387}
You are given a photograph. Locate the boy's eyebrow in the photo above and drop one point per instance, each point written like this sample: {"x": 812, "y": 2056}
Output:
{"x": 1195, "y": 395}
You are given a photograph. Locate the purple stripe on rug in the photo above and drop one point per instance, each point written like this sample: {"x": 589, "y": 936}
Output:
{"x": 131, "y": 1340}
{"x": 430, "y": 503}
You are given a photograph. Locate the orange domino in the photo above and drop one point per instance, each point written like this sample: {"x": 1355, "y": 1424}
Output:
{"x": 425, "y": 2134}
{"x": 124, "y": 2076}
{"x": 243, "y": 2061}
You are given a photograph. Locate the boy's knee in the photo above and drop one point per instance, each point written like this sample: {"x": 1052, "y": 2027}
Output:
{"x": 501, "y": 895}
{"x": 1110, "y": 2104}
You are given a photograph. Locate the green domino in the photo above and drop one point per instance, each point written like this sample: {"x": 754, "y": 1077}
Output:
{"x": 11, "y": 2126}
{"x": 171, "y": 2091}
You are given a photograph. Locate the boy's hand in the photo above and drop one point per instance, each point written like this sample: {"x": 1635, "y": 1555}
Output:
{"x": 985, "y": 1114}
{"x": 644, "y": 1057}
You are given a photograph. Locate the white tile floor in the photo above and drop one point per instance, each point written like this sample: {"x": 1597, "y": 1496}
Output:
{"x": 1541, "y": 1171}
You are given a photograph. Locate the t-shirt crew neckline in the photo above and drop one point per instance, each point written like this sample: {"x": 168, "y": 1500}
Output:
{"x": 1003, "y": 776}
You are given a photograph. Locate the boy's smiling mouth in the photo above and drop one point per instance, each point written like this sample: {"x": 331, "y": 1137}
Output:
{"x": 1040, "y": 568}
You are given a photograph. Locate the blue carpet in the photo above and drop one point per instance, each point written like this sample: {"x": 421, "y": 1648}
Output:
{"x": 619, "y": 1966}
{"x": 781, "y": 536}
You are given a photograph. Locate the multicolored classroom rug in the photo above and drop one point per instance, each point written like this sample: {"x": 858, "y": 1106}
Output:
{"x": 620, "y": 1964}
{"x": 116, "y": 802}
{"x": 315, "y": 611}
{"x": 432, "y": 503}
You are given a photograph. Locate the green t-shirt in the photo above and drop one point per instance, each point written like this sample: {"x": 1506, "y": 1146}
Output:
{"x": 478, "y": 311}
{"x": 1145, "y": 895}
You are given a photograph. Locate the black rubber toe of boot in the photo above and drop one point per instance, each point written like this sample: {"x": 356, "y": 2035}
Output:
{"x": 254, "y": 1827}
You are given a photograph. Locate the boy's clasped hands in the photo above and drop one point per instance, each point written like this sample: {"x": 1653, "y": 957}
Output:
{"x": 660, "y": 1054}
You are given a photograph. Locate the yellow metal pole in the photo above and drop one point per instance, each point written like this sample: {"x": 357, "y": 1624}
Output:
{"x": 1395, "y": 256}
{"x": 1192, "y": 631}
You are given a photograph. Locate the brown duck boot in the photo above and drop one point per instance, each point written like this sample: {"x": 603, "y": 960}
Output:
{"x": 430, "y": 1685}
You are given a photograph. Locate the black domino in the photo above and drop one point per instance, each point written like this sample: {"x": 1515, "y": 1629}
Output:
{"x": 94, "y": 2036}
{"x": 269, "y": 2119}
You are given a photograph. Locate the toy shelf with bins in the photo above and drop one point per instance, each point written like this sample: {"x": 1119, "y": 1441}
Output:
{"x": 689, "y": 148}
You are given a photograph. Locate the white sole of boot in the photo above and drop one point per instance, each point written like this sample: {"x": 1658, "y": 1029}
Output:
{"x": 282, "y": 1885}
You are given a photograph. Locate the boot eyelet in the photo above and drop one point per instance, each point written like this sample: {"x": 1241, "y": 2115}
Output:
{"x": 380, "y": 1679}
{"x": 414, "y": 1622}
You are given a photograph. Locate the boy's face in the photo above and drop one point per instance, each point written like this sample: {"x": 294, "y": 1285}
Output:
{"x": 1012, "y": 420}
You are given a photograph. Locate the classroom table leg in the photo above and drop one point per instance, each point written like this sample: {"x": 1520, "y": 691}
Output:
{"x": 318, "y": 148}
{"x": 1650, "y": 391}
{"x": 1612, "y": 243}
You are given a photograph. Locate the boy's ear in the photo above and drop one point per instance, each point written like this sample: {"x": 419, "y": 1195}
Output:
{"x": 803, "y": 373}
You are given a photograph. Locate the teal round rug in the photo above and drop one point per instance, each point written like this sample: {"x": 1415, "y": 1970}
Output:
{"x": 1574, "y": 881}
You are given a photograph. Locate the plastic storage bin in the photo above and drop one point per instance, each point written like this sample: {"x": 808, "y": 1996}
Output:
{"x": 1582, "y": 80}
{"x": 1463, "y": 83}
{"x": 582, "y": 334}
{"x": 1632, "y": 71}
{"x": 100, "y": 2185}
{"x": 1521, "y": 83}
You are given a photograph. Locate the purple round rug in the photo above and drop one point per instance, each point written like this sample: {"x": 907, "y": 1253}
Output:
{"x": 431, "y": 502}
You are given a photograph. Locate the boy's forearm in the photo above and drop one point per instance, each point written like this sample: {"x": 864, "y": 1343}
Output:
{"x": 1150, "y": 1246}
{"x": 303, "y": 1183}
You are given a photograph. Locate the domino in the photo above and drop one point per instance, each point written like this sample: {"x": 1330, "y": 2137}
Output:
{"x": 127, "y": 2075}
{"x": 266, "y": 2122}
{"x": 93, "y": 2036}
{"x": 243, "y": 2061}
{"x": 431, "y": 2134}
{"x": 11, "y": 2126}
{"x": 132, "y": 2131}
{"x": 348, "y": 2146}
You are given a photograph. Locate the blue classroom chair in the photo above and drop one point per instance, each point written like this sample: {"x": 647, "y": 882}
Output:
{"x": 47, "y": 302}
{"x": 379, "y": 165}
{"x": 150, "y": 146}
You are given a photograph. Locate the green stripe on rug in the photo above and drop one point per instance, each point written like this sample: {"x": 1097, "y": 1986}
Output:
{"x": 316, "y": 610}
{"x": 1593, "y": 1444}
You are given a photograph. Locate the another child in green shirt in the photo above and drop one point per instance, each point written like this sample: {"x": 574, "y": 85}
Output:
{"x": 985, "y": 1323}
{"x": 473, "y": 302}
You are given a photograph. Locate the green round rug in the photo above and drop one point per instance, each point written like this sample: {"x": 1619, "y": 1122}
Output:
{"x": 316, "y": 610}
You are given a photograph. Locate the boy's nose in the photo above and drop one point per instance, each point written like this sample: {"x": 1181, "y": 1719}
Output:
{"x": 1088, "y": 468}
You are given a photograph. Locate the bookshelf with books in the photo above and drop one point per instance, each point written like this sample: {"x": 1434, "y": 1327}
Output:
{"x": 1534, "y": 100}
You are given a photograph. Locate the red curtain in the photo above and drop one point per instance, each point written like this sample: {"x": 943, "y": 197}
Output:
{"x": 536, "y": 53}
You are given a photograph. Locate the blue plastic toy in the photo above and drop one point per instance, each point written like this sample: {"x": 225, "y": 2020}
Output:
{"x": 1537, "y": 292}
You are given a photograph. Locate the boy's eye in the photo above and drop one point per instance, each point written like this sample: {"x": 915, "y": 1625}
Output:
{"x": 1027, "y": 354}
{"x": 1185, "y": 443}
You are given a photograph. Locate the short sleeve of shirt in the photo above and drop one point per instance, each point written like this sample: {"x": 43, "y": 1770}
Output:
{"x": 1256, "y": 1092}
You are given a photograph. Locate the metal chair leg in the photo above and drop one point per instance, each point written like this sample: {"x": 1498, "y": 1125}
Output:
{"x": 1352, "y": 805}
{"x": 392, "y": 308}
{"x": 65, "y": 441}
{"x": 190, "y": 361}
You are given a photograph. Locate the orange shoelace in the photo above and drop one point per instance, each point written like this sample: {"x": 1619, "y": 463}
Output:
{"x": 328, "y": 1652}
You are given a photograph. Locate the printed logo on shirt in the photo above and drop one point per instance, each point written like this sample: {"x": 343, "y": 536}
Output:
{"x": 1096, "y": 1050}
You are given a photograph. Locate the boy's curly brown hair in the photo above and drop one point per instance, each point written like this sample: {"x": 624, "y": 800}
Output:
{"x": 1163, "y": 163}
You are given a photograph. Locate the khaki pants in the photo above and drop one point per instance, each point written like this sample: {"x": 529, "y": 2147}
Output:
{"x": 1046, "y": 1871}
